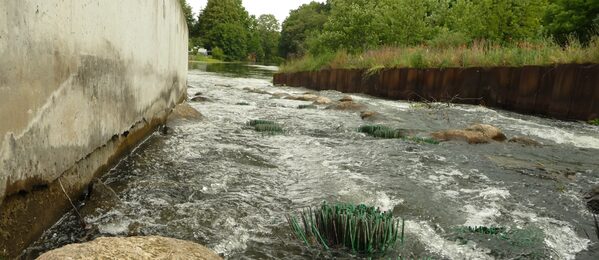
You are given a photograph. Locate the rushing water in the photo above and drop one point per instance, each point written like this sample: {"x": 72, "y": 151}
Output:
{"x": 220, "y": 184}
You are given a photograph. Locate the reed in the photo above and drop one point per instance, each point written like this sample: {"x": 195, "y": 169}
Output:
{"x": 380, "y": 131}
{"x": 362, "y": 229}
{"x": 475, "y": 54}
{"x": 265, "y": 126}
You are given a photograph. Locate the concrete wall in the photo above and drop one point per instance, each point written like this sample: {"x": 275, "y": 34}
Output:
{"x": 79, "y": 81}
{"x": 566, "y": 91}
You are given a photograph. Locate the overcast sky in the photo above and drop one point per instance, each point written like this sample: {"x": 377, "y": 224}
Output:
{"x": 280, "y": 8}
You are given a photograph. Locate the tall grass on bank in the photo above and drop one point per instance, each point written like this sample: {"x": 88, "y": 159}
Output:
{"x": 362, "y": 229}
{"x": 477, "y": 54}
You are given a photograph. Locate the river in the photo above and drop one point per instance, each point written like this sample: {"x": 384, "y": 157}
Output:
{"x": 219, "y": 183}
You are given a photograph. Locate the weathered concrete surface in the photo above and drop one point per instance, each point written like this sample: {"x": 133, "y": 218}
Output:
{"x": 81, "y": 82}
{"x": 152, "y": 247}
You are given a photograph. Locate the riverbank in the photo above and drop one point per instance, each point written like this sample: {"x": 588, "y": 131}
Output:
{"x": 567, "y": 91}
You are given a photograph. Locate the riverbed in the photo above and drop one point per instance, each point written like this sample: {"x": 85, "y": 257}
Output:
{"x": 219, "y": 183}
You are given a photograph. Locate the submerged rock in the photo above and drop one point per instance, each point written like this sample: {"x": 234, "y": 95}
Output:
{"x": 322, "y": 101}
{"x": 280, "y": 95}
{"x": 200, "y": 99}
{"x": 304, "y": 97}
{"x": 525, "y": 141}
{"x": 347, "y": 105}
{"x": 346, "y": 99}
{"x": 257, "y": 91}
{"x": 368, "y": 114}
{"x": 592, "y": 199}
{"x": 151, "y": 247}
{"x": 474, "y": 134}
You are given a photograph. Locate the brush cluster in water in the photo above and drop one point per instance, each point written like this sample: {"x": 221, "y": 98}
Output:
{"x": 307, "y": 107}
{"x": 266, "y": 126}
{"x": 360, "y": 228}
{"x": 381, "y": 131}
{"x": 506, "y": 243}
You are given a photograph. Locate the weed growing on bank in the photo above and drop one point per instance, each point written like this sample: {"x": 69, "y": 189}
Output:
{"x": 362, "y": 229}
{"x": 594, "y": 122}
{"x": 477, "y": 54}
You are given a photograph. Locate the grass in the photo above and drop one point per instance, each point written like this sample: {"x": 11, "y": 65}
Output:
{"x": 359, "y": 228}
{"x": 385, "y": 132}
{"x": 265, "y": 126}
{"x": 594, "y": 122}
{"x": 477, "y": 54}
{"x": 203, "y": 59}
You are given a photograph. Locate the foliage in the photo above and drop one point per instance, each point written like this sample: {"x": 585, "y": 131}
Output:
{"x": 594, "y": 122}
{"x": 303, "y": 22}
{"x": 579, "y": 18}
{"x": 227, "y": 25}
{"x": 268, "y": 31}
{"x": 362, "y": 229}
{"x": 266, "y": 126}
{"x": 218, "y": 53}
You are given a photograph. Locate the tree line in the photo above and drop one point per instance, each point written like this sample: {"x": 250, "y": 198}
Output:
{"x": 359, "y": 25}
{"x": 225, "y": 27}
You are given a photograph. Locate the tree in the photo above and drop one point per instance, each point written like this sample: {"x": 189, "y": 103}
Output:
{"x": 268, "y": 30}
{"x": 498, "y": 20}
{"x": 307, "y": 20}
{"x": 225, "y": 24}
{"x": 579, "y": 18}
{"x": 188, "y": 14}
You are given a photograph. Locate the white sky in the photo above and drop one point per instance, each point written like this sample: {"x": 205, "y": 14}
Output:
{"x": 280, "y": 8}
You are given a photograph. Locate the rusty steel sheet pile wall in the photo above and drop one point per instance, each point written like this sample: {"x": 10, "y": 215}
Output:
{"x": 81, "y": 84}
{"x": 565, "y": 91}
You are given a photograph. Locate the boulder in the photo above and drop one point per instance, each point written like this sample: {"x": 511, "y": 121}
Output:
{"x": 488, "y": 131}
{"x": 151, "y": 247}
{"x": 474, "y": 134}
{"x": 322, "y": 101}
{"x": 346, "y": 99}
{"x": 472, "y": 137}
{"x": 368, "y": 114}
{"x": 185, "y": 111}
{"x": 525, "y": 141}
{"x": 347, "y": 105}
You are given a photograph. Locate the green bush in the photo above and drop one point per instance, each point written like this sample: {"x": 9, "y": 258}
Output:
{"x": 218, "y": 53}
{"x": 360, "y": 228}
{"x": 594, "y": 122}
